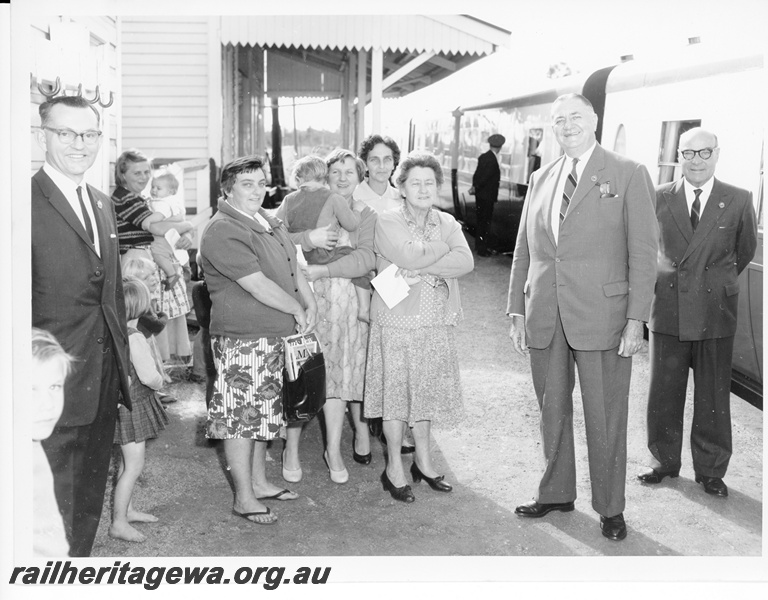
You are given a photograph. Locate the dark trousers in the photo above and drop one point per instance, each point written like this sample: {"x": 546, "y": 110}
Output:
{"x": 604, "y": 379}
{"x": 484, "y": 211}
{"x": 711, "y": 445}
{"x": 79, "y": 457}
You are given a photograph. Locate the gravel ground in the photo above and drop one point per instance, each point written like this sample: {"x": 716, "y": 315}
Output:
{"x": 493, "y": 460}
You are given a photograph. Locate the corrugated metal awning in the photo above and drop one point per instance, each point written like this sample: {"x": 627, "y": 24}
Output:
{"x": 450, "y": 34}
{"x": 307, "y": 53}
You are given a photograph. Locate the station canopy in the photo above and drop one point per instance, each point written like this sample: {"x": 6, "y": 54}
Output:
{"x": 307, "y": 55}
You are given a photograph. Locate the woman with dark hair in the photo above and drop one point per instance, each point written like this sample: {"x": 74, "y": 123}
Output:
{"x": 136, "y": 227}
{"x": 343, "y": 334}
{"x": 412, "y": 371}
{"x": 381, "y": 156}
{"x": 258, "y": 296}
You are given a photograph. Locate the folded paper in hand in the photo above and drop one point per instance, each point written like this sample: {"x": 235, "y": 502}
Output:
{"x": 391, "y": 288}
{"x": 173, "y": 236}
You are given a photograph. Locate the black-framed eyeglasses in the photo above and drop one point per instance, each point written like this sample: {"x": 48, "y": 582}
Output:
{"x": 704, "y": 153}
{"x": 67, "y": 136}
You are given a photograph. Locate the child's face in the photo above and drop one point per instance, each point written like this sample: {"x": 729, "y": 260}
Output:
{"x": 151, "y": 280}
{"x": 160, "y": 188}
{"x": 47, "y": 396}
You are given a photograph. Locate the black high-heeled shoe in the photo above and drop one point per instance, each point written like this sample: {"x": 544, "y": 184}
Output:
{"x": 436, "y": 483}
{"x": 403, "y": 494}
{"x": 363, "y": 459}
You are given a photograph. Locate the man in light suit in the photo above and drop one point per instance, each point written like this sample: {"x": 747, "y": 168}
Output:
{"x": 77, "y": 295}
{"x": 708, "y": 236}
{"x": 581, "y": 288}
{"x": 485, "y": 187}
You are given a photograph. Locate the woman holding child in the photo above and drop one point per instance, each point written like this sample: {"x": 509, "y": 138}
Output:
{"x": 342, "y": 291}
{"x": 258, "y": 295}
{"x": 137, "y": 226}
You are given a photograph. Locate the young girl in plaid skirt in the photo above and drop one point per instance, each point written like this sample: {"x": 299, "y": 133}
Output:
{"x": 144, "y": 422}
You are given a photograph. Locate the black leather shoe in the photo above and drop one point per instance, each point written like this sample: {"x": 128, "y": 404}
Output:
{"x": 534, "y": 509}
{"x": 403, "y": 494}
{"x": 436, "y": 483}
{"x": 614, "y": 528}
{"x": 713, "y": 485}
{"x": 363, "y": 459}
{"x": 654, "y": 476}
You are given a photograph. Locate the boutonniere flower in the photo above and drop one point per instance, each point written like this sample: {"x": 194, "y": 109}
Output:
{"x": 605, "y": 190}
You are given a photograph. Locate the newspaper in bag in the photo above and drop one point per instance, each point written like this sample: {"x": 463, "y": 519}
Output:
{"x": 299, "y": 348}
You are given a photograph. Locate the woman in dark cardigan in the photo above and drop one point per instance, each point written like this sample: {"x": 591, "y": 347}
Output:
{"x": 258, "y": 296}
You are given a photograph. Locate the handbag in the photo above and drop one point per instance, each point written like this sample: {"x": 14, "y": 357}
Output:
{"x": 303, "y": 396}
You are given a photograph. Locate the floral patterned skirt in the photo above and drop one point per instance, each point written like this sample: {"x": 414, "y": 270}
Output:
{"x": 412, "y": 374}
{"x": 247, "y": 398}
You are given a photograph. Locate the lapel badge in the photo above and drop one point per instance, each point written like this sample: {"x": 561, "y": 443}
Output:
{"x": 593, "y": 178}
{"x": 99, "y": 204}
{"x": 722, "y": 205}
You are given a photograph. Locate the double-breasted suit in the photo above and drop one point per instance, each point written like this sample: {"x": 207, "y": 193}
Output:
{"x": 693, "y": 321}
{"x": 486, "y": 183}
{"x": 577, "y": 293}
{"x": 77, "y": 296}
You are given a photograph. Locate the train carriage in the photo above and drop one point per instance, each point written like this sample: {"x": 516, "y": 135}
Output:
{"x": 643, "y": 108}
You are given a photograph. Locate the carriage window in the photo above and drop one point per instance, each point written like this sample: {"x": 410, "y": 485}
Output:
{"x": 670, "y": 138}
{"x": 535, "y": 135}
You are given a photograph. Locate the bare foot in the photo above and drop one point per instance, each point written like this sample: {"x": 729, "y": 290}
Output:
{"x": 134, "y": 516}
{"x": 123, "y": 531}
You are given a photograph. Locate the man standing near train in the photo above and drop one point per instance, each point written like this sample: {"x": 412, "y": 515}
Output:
{"x": 485, "y": 187}
{"x": 708, "y": 236}
{"x": 580, "y": 290}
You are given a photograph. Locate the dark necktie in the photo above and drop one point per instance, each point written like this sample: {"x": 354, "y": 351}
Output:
{"x": 86, "y": 216}
{"x": 695, "y": 209}
{"x": 570, "y": 187}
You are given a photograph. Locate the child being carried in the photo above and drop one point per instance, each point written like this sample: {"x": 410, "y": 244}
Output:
{"x": 313, "y": 206}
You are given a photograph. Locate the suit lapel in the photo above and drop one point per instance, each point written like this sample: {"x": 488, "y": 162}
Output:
{"x": 103, "y": 224}
{"x": 60, "y": 203}
{"x": 678, "y": 208}
{"x": 588, "y": 178}
{"x": 547, "y": 197}
{"x": 716, "y": 206}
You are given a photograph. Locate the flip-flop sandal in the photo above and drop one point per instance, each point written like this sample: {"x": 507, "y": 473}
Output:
{"x": 279, "y": 496}
{"x": 252, "y": 514}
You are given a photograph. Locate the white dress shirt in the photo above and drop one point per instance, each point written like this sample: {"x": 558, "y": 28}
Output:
{"x": 564, "y": 171}
{"x": 69, "y": 189}
{"x": 690, "y": 195}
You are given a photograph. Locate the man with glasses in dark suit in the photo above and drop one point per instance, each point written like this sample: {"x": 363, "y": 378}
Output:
{"x": 708, "y": 235}
{"x": 77, "y": 295}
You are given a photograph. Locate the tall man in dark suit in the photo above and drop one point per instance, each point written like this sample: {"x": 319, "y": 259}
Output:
{"x": 485, "y": 187}
{"x": 708, "y": 236}
{"x": 581, "y": 288}
{"x": 77, "y": 295}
